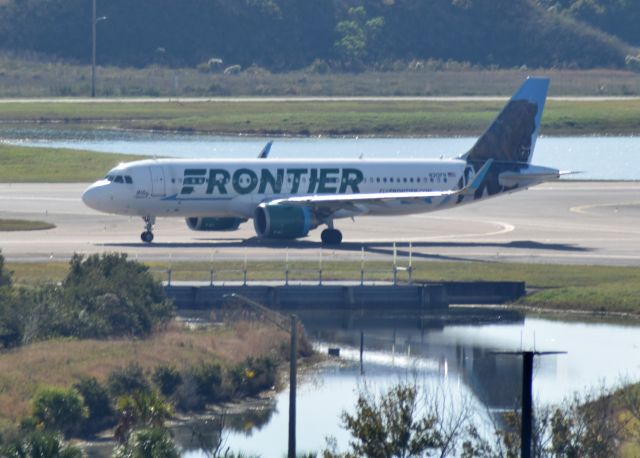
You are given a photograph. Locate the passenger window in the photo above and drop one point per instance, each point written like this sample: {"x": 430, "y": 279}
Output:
{"x": 119, "y": 179}
{"x": 128, "y": 179}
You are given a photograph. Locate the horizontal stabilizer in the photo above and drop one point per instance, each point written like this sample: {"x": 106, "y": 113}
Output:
{"x": 529, "y": 176}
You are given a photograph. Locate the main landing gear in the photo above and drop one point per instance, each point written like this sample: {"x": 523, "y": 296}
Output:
{"x": 331, "y": 236}
{"x": 147, "y": 235}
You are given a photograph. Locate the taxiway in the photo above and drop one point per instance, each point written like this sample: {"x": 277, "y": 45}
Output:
{"x": 565, "y": 222}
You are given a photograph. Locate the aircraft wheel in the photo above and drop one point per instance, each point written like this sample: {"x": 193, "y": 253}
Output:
{"x": 331, "y": 237}
{"x": 147, "y": 236}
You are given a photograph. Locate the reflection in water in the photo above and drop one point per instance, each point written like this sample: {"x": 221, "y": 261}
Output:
{"x": 208, "y": 433}
{"x": 458, "y": 359}
{"x": 410, "y": 340}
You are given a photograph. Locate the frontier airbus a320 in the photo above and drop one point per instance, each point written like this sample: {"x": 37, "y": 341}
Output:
{"x": 288, "y": 198}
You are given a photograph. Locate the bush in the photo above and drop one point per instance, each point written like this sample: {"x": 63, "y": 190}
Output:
{"x": 254, "y": 375}
{"x": 59, "y": 409}
{"x": 167, "y": 379}
{"x": 100, "y": 297}
{"x": 39, "y": 444}
{"x": 140, "y": 410}
{"x": 108, "y": 295}
{"x": 200, "y": 384}
{"x": 208, "y": 378}
{"x": 147, "y": 443}
{"x": 128, "y": 380}
{"x": 96, "y": 398}
{"x": 187, "y": 397}
{"x": 5, "y": 275}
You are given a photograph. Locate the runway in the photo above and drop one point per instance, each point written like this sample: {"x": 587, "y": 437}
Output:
{"x": 565, "y": 222}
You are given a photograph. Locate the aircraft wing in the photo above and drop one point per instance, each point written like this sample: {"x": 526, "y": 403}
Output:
{"x": 355, "y": 202}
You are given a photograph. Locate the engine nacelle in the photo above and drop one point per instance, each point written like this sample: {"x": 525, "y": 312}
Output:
{"x": 213, "y": 224}
{"x": 283, "y": 221}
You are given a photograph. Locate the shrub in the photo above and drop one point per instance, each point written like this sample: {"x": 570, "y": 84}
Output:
{"x": 208, "y": 378}
{"x": 187, "y": 397}
{"x": 96, "y": 398}
{"x": 167, "y": 379}
{"x": 39, "y": 444}
{"x": 153, "y": 442}
{"x": 128, "y": 380}
{"x": 140, "y": 410}
{"x": 108, "y": 295}
{"x": 5, "y": 275}
{"x": 200, "y": 384}
{"x": 59, "y": 409}
{"x": 254, "y": 375}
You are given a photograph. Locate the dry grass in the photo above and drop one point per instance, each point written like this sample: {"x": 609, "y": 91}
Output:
{"x": 39, "y": 76}
{"x": 62, "y": 362}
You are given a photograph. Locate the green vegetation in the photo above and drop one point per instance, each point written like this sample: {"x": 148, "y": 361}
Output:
{"x": 616, "y": 17}
{"x": 303, "y": 118}
{"x": 21, "y": 164}
{"x": 100, "y": 297}
{"x": 38, "y": 76}
{"x": 9, "y": 225}
{"x": 66, "y": 363}
{"x": 38, "y": 444}
{"x": 58, "y": 410}
{"x": 281, "y": 35}
{"x": 149, "y": 442}
{"x": 62, "y": 379}
{"x": 408, "y": 420}
{"x": 557, "y": 287}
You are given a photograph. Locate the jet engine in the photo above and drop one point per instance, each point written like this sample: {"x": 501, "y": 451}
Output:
{"x": 213, "y": 224}
{"x": 283, "y": 221}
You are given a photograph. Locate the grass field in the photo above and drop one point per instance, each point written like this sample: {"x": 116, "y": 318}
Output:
{"x": 333, "y": 118}
{"x": 9, "y": 225}
{"x": 62, "y": 362}
{"x": 52, "y": 165}
{"x": 40, "y": 76}
{"x": 558, "y": 288}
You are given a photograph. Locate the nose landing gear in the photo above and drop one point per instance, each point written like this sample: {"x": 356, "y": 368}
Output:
{"x": 147, "y": 235}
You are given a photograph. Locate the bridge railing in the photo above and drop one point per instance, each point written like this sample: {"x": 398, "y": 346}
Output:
{"x": 332, "y": 267}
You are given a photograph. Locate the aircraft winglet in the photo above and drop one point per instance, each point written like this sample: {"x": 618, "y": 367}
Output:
{"x": 478, "y": 179}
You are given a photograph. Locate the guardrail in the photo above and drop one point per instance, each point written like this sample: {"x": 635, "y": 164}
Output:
{"x": 290, "y": 273}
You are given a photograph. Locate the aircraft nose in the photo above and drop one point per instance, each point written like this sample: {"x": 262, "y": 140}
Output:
{"x": 92, "y": 197}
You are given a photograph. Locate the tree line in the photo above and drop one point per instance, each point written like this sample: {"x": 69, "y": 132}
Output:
{"x": 282, "y": 35}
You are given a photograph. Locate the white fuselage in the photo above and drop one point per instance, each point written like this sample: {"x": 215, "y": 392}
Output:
{"x": 234, "y": 188}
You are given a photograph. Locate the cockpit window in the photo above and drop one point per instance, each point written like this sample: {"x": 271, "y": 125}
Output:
{"x": 128, "y": 179}
{"x": 109, "y": 178}
{"x": 119, "y": 179}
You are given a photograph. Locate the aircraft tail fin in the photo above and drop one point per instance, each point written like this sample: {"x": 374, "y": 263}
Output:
{"x": 512, "y": 136}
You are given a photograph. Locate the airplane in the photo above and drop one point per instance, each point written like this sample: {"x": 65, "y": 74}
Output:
{"x": 287, "y": 198}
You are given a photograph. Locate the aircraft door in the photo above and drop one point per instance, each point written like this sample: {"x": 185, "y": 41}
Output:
{"x": 158, "y": 185}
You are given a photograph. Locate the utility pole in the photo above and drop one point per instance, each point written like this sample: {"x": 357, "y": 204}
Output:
{"x": 94, "y": 23}
{"x": 277, "y": 319}
{"x": 292, "y": 387}
{"x": 526, "y": 428}
{"x": 93, "y": 50}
